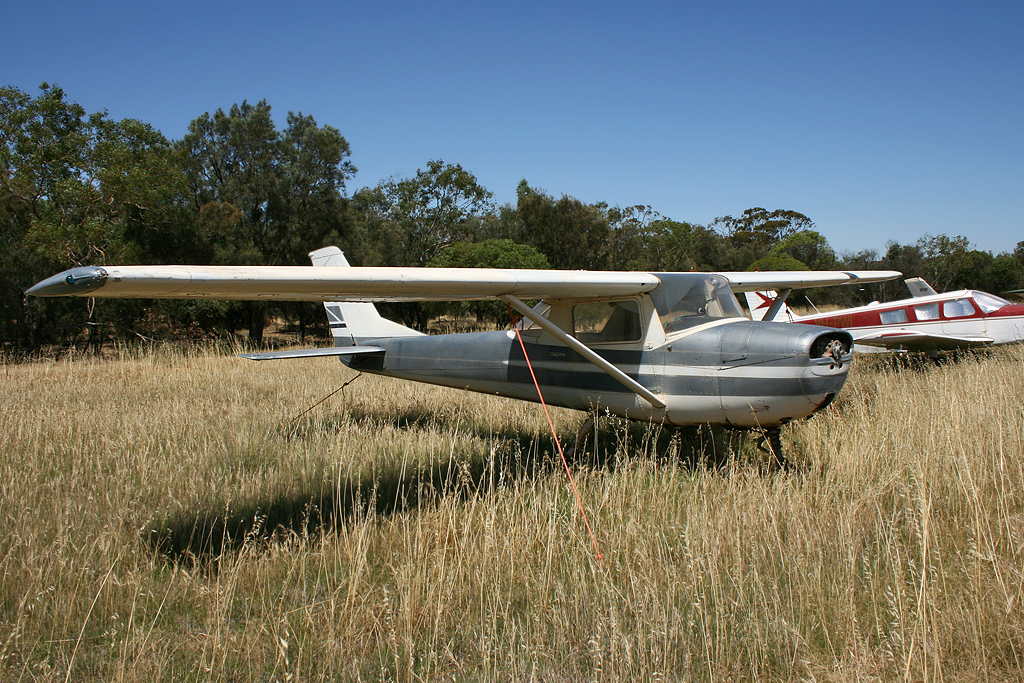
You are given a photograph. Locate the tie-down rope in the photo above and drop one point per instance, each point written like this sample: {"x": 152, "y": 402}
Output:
{"x": 579, "y": 501}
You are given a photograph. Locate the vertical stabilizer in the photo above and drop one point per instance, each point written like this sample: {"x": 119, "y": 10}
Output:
{"x": 918, "y": 287}
{"x": 353, "y": 324}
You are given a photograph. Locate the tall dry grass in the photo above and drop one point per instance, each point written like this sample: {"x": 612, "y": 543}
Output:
{"x": 178, "y": 516}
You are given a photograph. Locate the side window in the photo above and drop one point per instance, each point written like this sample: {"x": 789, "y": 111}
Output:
{"x": 607, "y": 321}
{"x": 927, "y": 312}
{"x": 958, "y": 308}
{"x": 894, "y": 317}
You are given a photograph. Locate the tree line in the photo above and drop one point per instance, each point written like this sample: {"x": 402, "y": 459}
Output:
{"x": 82, "y": 189}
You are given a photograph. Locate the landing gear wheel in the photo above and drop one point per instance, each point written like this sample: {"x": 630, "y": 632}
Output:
{"x": 771, "y": 443}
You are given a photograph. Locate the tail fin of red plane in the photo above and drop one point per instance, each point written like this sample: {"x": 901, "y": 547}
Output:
{"x": 760, "y": 302}
{"x": 918, "y": 287}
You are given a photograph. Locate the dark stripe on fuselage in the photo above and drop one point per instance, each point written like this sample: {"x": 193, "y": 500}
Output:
{"x": 549, "y": 365}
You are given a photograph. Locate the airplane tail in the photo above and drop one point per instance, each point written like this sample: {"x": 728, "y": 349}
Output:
{"x": 353, "y": 324}
{"x": 760, "y": 302}
{"x": 918, "y": 287}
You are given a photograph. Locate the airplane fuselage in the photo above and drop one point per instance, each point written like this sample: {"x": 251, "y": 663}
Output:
{"x": 727, "y": 372}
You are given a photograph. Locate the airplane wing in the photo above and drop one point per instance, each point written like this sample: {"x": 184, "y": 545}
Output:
{"x": 361, "y": 284}
{"x": 918, "y": 341}
{"x": 357, "y": 284}
{"x": 802, "y": 279}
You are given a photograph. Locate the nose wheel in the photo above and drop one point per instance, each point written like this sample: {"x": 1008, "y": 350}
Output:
{"x": 770, "y": 442}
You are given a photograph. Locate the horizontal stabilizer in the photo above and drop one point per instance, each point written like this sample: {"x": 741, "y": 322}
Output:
{"x": 313, "y": 353}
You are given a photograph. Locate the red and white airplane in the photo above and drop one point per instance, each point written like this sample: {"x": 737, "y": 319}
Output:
{"x": 927, "y": 322}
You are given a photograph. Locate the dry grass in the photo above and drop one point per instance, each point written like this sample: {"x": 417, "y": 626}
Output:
{"x": 165, "y": 518}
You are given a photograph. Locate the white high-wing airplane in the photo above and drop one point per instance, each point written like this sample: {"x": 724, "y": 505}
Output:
{"x": 674, "y": 348}
{"x": 928, "y": 321}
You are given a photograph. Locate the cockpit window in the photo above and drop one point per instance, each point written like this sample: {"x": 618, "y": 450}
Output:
{"x": 607, "y": 321}
{"x": 684, "y": 300}
{"x": 989, "y": 302}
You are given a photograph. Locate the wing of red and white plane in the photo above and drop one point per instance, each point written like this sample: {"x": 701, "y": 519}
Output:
{"x": 306, "y": 283}
{"x": 918, "y": 341}
{"x": 803, "y": 279}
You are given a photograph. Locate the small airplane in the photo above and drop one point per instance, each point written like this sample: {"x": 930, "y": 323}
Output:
{"x": 928, "y": 321}
{"x": 674, "y": 348}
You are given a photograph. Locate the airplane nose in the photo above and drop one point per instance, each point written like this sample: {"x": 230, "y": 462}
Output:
{"x": 828, "y": 362}
{"x": 834, "y": 345}
{"x": 771, "y": 373}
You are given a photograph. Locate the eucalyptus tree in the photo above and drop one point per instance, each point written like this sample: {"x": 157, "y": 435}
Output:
{"x": 758, "y": 230}
{"x": 260, "y": 196}
{"x": 77, "y": 189}
{"x": 572, "y": 234}
{"x": 409, "y": 221}
{"x": 488, "y": 253}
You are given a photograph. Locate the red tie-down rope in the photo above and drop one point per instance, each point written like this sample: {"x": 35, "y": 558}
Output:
{"x": 579, "y": 501}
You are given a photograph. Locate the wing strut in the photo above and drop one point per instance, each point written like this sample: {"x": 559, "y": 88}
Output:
{"x": 583, "y": 350}
{"x": 773, "y": 310}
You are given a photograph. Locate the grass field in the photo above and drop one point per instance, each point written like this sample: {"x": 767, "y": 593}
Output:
{"x": 179, "y": 516}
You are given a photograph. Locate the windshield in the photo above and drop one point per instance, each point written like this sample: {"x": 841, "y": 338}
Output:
{"x": 989, "y": 302}
{"x": 687, "y": 299}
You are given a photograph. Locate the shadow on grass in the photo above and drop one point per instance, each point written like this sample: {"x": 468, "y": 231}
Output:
{"x": 204, "y": 536}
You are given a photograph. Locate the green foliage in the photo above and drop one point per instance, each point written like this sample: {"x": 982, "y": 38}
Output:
{"x": 1004, "y": 274}
{"x": 759, "y": 230}
{"x": 643, "y": 240}
{"x": 946, "y": 263}
{"x": 491, "y": 253}
{"x": 86, "y": 183}
{"x": 635, "y": 242}
{"x": 77, "y": 190}
{"x": 263, "y": 197}
{"x": 809, "y": 248}
{"x": 407, "y": 222}
{"x": 571, "y": 234}
{"x": 777, "y": 261}
{"x": 945, "y": 260}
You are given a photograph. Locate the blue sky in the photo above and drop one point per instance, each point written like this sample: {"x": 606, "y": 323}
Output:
{"x": 879, "y": 120}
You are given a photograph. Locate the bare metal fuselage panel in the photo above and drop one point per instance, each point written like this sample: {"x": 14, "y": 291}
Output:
{"x": 739, "y": 374}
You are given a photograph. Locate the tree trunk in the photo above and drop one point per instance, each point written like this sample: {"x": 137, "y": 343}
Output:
{"x": 257, "y": 321}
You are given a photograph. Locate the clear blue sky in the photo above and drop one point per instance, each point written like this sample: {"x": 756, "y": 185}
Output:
{"x": 879, "y": 120}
